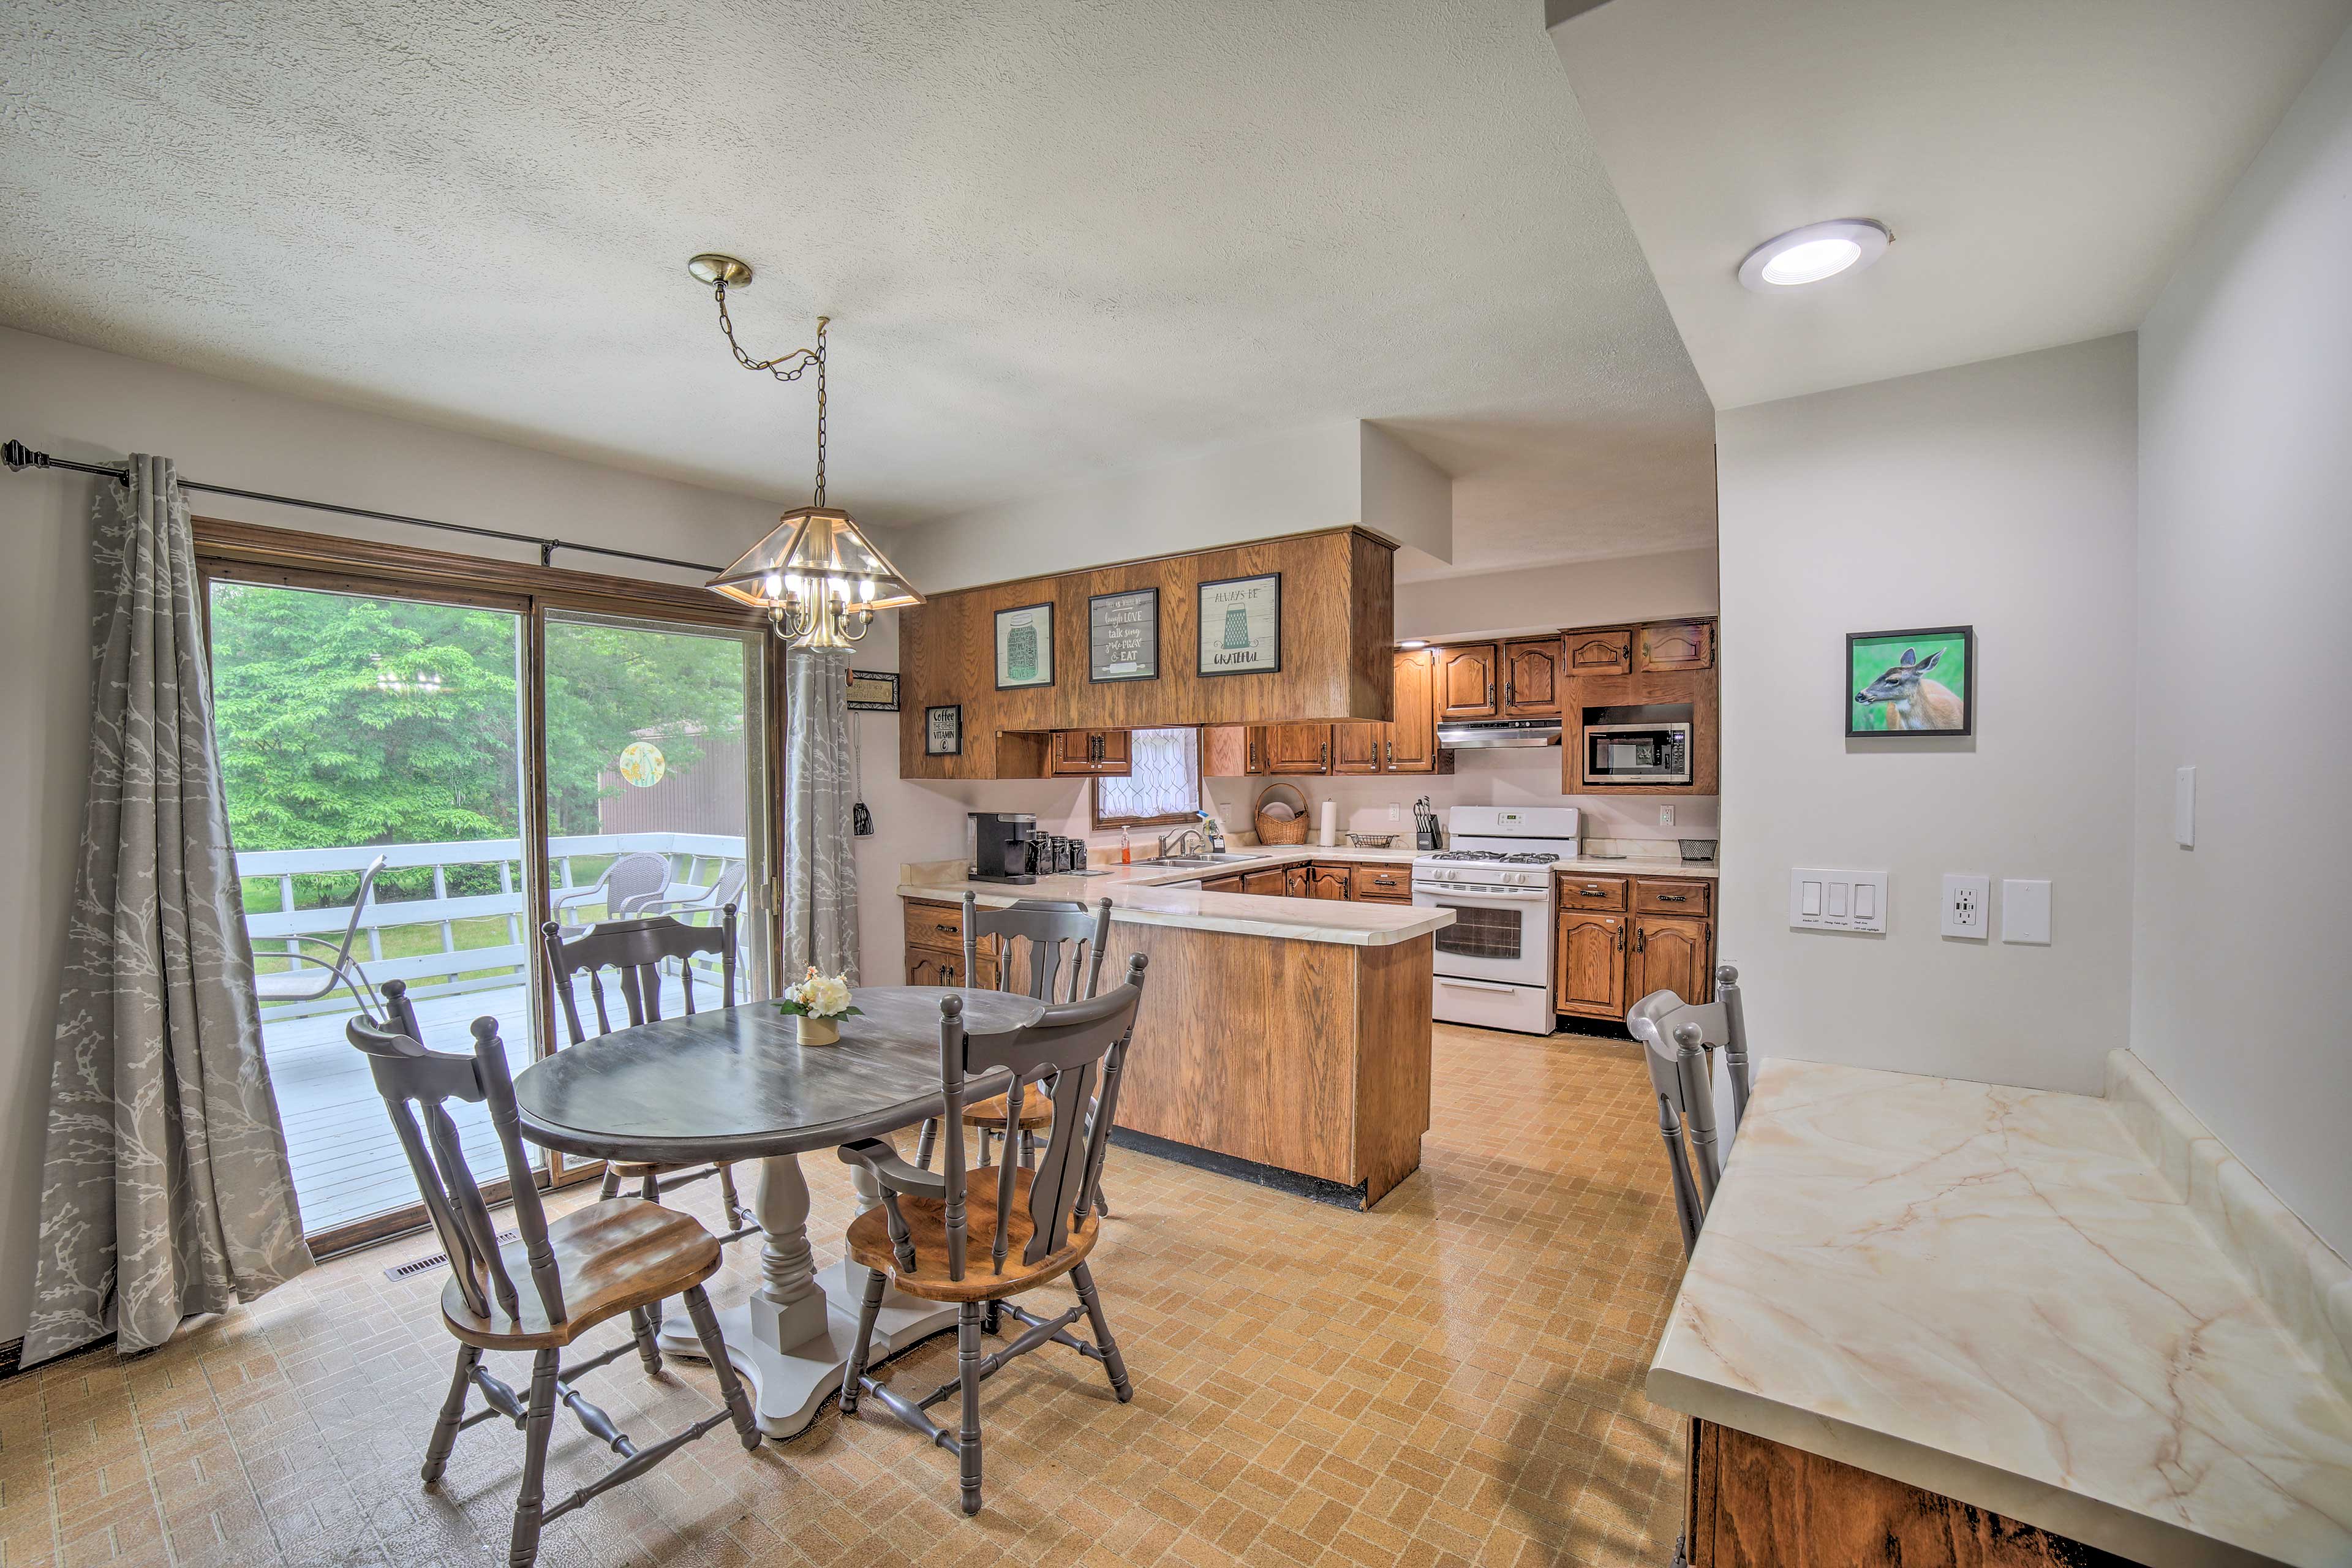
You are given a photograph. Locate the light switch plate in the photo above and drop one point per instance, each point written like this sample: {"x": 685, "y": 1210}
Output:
{"x": 2025, "y": 912}
{"x": 1837, "y": 900}
{"x": 2184, "y": 807}
{"x": 1967, "y": 909}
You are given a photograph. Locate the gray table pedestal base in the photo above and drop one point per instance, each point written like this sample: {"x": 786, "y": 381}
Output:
{"x": 792, "y": 1339}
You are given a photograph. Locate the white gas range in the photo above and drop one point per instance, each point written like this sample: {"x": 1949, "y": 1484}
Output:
{"x": 1493, "y": 963}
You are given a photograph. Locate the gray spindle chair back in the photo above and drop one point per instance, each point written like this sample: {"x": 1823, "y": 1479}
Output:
{"x": 1055, "y": 928}
{"x": 637, "y": 949}
{"x": 1678, "y": 1041}
{"x": 416, "y": 1083}
{"x": 1081, "y": 1047}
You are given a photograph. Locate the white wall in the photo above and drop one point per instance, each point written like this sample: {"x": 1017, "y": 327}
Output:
{"x": 2246, "y": 595}
{"x": 79, "y": 403}
{"x": 1329, "y": 475}
{"x": 1575, "y": 594}
{"x": 2000, "y": 495}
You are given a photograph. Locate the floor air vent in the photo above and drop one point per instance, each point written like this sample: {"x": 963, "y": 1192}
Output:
{"x": 416, "y": 1265}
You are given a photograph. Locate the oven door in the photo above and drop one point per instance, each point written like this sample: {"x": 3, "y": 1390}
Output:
{"x": 1499, "y": 936}
{"x": 1637, "y": 753}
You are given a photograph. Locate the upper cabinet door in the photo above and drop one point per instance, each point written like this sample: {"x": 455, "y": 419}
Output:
{"x": 1676, "y": 645}
{"x": 1412, "y": 737}
{"x": 1356, "y": 747}
{"x": 1298, "y": 748}
{"x": 1531, "y": 679}
{"x": 1466, "y": 688}
{"x": 1606, "y": 651}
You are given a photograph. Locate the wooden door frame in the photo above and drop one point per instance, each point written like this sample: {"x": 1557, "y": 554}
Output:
{"x": 250, "y": 553}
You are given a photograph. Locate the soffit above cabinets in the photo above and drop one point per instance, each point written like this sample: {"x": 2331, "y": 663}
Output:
{"x": 2041, "y": 166}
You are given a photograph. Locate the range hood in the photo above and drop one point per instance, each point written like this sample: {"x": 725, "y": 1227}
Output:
{"x": 1491, "y": 732}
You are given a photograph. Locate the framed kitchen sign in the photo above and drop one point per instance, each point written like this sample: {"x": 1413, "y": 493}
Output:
{"x": 1917, "y": 682}
{"x": 1241, "y": 625}
{"x": 943, "y": 730}
{"x": 1025, "y": 646}
{"x": 1123, "y": 635}
{"x": 873, "y": 690}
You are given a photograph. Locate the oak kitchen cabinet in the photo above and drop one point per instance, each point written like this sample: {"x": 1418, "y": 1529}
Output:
{"x": 1662, "y": 664}
{"x": 1327, "y": 882}
{"x": 1298, "y": 747}
{"x": 1531, "y": 679}
{"x": 1356, "y": 747}
{"x": 1618, "y": 938}
{"x": 1090, "y": 754}
{"x": 1408, "y": 744}
{"x": 1599, "y": 650}
{"x": 1466, "y": 680}
{"x": 1412, "y": 743}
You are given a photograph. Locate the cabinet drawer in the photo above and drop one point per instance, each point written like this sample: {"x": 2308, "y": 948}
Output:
{"x": 1655, "y": 897}
{"x": 941, "y": 926}
{"x": 1393, "y": 883}
{"x": 1591, "y": 892}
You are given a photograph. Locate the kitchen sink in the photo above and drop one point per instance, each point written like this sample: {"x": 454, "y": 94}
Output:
{"x": 1196, "y": 859}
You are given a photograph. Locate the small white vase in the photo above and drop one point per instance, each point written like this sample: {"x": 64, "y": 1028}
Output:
{"x": 816, "y": 1031}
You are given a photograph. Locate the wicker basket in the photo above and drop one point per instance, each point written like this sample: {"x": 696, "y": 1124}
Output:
{"x": 1273, "y": 830}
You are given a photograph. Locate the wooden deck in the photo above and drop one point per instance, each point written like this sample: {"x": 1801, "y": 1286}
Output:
{"x": 339, "y": 1139}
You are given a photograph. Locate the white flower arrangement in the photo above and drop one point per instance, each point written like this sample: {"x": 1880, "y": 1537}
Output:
{"x": 818, "y": 996}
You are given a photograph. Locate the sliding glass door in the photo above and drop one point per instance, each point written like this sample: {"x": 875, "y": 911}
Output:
{"x": 655, "y": 777}
{"x": 524, "y": 750}
{"x": 372, "y": 751}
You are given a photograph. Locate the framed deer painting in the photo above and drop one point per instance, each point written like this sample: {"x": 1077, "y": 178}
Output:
{"x": 1917, "y": 682}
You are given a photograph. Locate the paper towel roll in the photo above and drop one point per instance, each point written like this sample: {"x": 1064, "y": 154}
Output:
{"x": 1330, "y": 833}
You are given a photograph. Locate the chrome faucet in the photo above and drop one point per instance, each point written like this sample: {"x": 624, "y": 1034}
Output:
{"x": 1177, "y": 838}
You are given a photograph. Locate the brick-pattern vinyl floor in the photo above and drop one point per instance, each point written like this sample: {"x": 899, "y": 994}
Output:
{"x": 1453, "y": 1378}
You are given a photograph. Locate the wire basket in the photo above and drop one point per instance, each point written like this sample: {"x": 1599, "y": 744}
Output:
{"x": 1276, "y": 829}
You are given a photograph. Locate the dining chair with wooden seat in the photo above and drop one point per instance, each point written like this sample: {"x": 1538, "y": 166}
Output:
{"x": 1059, "y": 932}
{"x": 1679, "y": 1040}
{"x": 618, "y": 1256}
{"x": 636, "y": 951}
{"x": 943, "y": 1236}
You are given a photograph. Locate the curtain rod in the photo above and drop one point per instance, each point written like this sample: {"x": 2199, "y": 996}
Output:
{"x": 20, "y": 457}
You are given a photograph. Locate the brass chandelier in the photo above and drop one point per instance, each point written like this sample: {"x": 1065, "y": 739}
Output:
{"x": 816, "y": 574}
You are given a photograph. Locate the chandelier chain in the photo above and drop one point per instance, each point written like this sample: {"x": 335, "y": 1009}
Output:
{"x": 783, "y": 367}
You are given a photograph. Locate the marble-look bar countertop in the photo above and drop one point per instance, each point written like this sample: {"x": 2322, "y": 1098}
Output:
{"x": 1637, "y": 866}
{"x": 1171, "y": 896}
{"x": 1998, "y": 1294}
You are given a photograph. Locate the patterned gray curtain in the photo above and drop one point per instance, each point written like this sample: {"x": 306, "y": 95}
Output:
{"x": 820, "y": 786}
{"x": 165, "y": 1192}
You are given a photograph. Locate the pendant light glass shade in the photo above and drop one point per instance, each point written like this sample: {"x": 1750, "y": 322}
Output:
{"x": 816, "y": 557}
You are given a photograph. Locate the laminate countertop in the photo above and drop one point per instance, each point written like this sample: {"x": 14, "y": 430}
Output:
{"x": 1171, "y": 896}
{"x": 2079, "y": 1312}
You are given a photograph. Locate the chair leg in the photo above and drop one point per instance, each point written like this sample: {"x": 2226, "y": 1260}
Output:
{"x": 986, "y": 1138}
{"x": 736, "y": 1213}
{"x": 714, "y": 1347}
{"x": 1102, "y": 1204}
{"x": 924, "y": 1144}
{"x": 453, "y": 1409}
{"x": 648, "y": 1348}
{"x": 1083, "y": 1278}
{"x": 531, "y": 1499}
{"x": 1028, "y": 1149}
{"x": 968, "y": 1374}
{"x": 650, "y": 1190}
{"x": 868, "y": 1311}
{"x": 610, "y": 1187}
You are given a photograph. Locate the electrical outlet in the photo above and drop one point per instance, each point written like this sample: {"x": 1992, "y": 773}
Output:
{"x": 1393, "y": 809}
{"x": 1965, "y": 901}
{"x": 1665, "y": 817}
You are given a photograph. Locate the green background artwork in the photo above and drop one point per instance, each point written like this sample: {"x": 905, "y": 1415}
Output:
{"x": 1873, "y": 656}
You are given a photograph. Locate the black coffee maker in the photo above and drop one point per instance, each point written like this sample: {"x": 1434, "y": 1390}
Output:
{"x": 996, "y": 843}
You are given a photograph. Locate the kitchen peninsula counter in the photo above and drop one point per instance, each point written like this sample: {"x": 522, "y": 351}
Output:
{"x": 1282, "y": 1040}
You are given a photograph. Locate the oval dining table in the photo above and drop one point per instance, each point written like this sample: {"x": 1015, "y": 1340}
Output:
{"x": 736, "y": 1084}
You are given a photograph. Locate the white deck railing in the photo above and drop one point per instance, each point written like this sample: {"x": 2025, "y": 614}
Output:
{"x": 430, "y": 974}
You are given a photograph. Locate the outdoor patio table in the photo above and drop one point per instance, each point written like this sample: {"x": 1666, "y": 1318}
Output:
{"x": 736, "y": 1084}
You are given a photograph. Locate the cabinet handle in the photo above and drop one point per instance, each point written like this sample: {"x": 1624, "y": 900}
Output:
{"x": 1392, "y": 746}
{"x": 1674, "y": 898}
{"x": 1590, "y": 892}
{"x": 1641, "y": 941}
{"x": 1323, "y": 754}
{"x": 948, "y": 931}
{"x": 1621, "y": 935}
{"x": 1507, "y": 697}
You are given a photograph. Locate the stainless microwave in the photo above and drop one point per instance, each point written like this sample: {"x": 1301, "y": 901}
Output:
{"x": 1656, "y": 753}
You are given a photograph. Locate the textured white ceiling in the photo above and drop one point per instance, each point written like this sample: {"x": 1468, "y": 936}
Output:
{"x": 2042, "y": 165}
{"x": 1056, "y": 237}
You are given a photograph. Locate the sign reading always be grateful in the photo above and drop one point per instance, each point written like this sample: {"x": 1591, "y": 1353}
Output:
{"x": 1241, "y": 625}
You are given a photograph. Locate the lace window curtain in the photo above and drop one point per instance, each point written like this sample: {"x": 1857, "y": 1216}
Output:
{"x": 166, "y": 1191}
{"x": 1165, "y": 780}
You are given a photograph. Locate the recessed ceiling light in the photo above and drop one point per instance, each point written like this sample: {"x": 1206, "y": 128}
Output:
{"x": 1816, "y": 251}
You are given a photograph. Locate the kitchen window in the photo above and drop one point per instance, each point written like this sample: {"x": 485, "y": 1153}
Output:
{"x": 1162, "y": 785}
